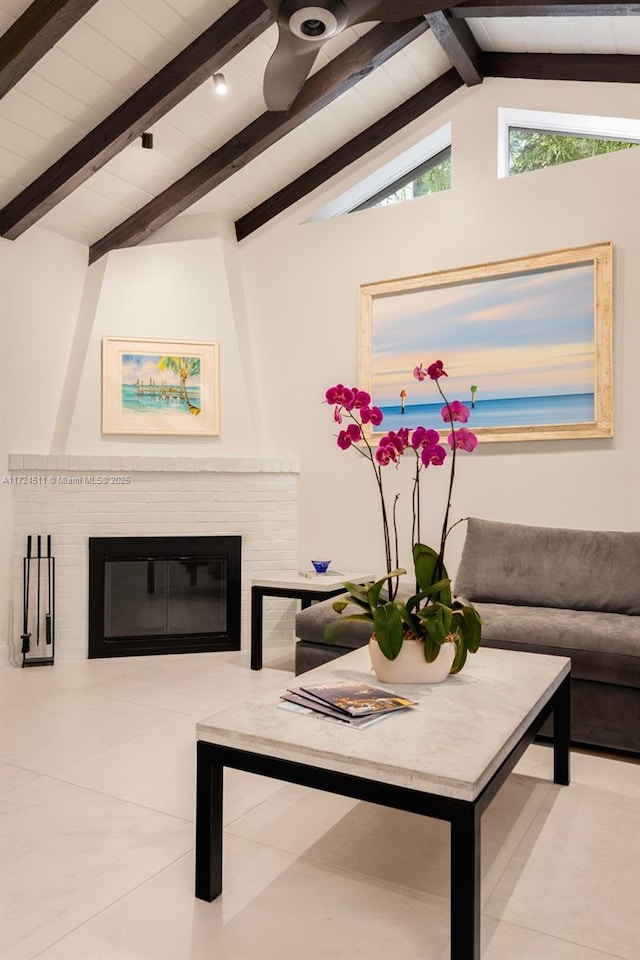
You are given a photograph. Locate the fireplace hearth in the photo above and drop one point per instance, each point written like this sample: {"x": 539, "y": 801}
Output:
{"x": 161, "y": 595}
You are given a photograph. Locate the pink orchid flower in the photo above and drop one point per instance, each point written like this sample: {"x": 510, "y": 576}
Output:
{"x": 436, "y": 370}
{"x": 433, "y": 455}
{"x": 462, "y": 439}
{"x": 351, "y": 435}
{"x": 339, "y": 395}
{"x": 419, "y": 373}
{"x": 455, "y": 411}
{"x": 424, "y": 438}
{"x": 372, "y": 415}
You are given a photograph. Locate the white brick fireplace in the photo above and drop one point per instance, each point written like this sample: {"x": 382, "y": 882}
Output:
{"x": 74, "y": 498}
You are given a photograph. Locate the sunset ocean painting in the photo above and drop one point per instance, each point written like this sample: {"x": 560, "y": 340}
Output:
{"x": 525, "y": 342}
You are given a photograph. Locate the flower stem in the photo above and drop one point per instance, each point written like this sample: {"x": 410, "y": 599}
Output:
{"x": 443, "y": 537}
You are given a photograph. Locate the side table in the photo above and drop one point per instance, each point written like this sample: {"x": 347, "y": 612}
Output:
{"x": 297, "y": 586}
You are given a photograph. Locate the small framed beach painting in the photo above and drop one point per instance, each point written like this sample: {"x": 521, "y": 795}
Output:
{"x": 526, "y": 344}
{"x": 169, "y": 387}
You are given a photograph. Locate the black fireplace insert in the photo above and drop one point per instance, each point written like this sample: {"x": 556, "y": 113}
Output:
{"x": 155, "y": 595}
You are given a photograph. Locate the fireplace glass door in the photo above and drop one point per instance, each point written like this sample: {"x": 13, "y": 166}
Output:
{"x": 145, "y": 597}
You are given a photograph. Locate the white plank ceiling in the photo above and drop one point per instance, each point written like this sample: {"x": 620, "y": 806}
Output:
{"x": 120, "y": 44}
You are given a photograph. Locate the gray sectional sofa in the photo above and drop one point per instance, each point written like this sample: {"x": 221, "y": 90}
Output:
{"x": 544, "y": 590}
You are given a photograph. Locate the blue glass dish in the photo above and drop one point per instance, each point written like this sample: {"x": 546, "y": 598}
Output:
{"x": 321, "y": 566}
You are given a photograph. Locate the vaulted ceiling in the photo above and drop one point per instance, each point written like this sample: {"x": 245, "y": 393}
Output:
{"x": 81, "y": 80}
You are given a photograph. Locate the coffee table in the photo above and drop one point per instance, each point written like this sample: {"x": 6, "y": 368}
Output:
{"x": 446, "y": 758}
{"x": 305, "y": 587}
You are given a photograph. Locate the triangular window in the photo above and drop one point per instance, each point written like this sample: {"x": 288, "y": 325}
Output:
{"x": 432, "y": 176}
{"x": 424, "y": 168}
{"x": 534, "y": 139}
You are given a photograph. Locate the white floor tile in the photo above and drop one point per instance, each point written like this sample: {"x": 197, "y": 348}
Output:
{"x": 12, "y": 776}
{"x": 505, "y": 941}
{"x": 576, "y": 875}
{"x": 71, "y": 726}
{"x": 20, "y": 687}
{"x": 69, "y": 852}
{"x": 273, "y": 907}
{"x": 96, "y": 862}
{"x": 390, "y": 845}
{"x": 196, "y": 686}
{"x": 158, "y": 771}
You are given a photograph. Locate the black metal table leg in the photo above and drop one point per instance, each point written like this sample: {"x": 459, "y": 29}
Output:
{"x": 209, "y": 777}
{"x": 562, "y": 732}
{"x": 465, "y": 883}
{"x": 257, "y": 593}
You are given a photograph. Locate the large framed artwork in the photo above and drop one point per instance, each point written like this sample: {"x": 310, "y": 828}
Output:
{"x": 169, "y": 387}
{"x": 526, "y": 343}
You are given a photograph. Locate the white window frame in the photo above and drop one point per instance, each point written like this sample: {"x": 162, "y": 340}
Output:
{"x": 384, "y": 176}
{"x": 573, "y": 124}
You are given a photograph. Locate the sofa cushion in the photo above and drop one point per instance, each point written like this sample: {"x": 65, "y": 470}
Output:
{"x": 603, "y": 647}
{"x": 550, "y": 567}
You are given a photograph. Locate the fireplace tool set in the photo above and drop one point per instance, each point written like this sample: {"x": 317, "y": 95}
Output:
{"x": 38, "y": 576}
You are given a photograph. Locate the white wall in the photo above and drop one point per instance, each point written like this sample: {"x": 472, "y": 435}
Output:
{"x": 302, "y": 284}
{"x": 41, "y": 282}
{"x": 284, "y": 307}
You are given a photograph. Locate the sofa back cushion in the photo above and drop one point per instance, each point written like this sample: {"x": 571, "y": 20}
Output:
{"x": 550, "y": 567}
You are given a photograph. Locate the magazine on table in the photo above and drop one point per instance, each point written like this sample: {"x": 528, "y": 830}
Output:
{"x": 322, "y": 711}
{"x": 350, "y": 699}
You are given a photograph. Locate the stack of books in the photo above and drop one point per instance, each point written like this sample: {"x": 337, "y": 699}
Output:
{"x": 356, "y": 704}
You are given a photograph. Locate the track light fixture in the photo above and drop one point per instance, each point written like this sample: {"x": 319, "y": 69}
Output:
{"x": 220, "y": 84}
{"x": 147, "y": 141}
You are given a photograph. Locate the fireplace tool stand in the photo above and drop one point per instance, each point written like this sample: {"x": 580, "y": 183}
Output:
{"x": 44, "y": 626}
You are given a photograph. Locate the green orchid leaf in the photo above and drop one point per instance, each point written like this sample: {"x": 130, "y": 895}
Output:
{"x": 340, "y": 605}
{"x": 388, "y": 628}
{"x": 436, "y": 588}
{"x": 357, "y": 591}
{"x": 343, "y": 603}
{"x": 435, "y": 631}
{"x": 425, "y": 562}
{"x": 431, "y": 649}
{"x": 461, "y": 656}
{"x": 370, "y": 592}
{"x": 472, "y": 624}
{"x": 427, "y": 568}
{"x": 336, "y": 628}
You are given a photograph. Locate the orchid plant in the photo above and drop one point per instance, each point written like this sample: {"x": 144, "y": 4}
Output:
{"x": 431, "y": 615}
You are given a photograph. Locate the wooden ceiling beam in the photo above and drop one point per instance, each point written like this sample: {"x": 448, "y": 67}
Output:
{"x": 593, "y": 67}
{"x": 208, "y": 53}
{"x": 459, "y": 44}
{"x": 544, "y": 8}
{"x": 33, "y": 34}
{"x": 356, "y": 148}
{"x": 348, "y": 68}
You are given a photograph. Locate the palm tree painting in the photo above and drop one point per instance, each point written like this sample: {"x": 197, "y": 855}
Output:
{"x": 163, "y": 387}
{"x": 185, "y": 367}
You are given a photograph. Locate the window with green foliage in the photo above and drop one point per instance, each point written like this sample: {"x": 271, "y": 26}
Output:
{"x": 432, "y": 176}
{"x": 532, "y": 149}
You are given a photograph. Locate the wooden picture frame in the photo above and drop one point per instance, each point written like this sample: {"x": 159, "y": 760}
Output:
{"x": 532, "y": 336}
{"x": 162, "y": 387}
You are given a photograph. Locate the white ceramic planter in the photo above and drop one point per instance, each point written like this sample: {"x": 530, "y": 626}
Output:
{"x": 410, "y": 665}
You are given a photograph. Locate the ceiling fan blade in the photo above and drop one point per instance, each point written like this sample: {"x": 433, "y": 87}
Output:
{"x": 361, "y": 11}
{"x": 288, "y": 69}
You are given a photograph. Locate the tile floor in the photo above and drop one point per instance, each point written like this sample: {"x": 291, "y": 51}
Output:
{"x": 97, "y": 797}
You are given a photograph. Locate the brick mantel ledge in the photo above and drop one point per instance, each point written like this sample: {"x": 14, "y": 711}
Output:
{"x": 18, "y": 462}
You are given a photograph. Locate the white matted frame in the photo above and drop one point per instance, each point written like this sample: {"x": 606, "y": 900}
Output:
{"x": 532, "y": 336}
{"x": 162, "y": 387}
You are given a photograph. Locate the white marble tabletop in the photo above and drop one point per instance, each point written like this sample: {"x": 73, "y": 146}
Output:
{"x": 310, "y": 580}
{"x": 450, "y": 744}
